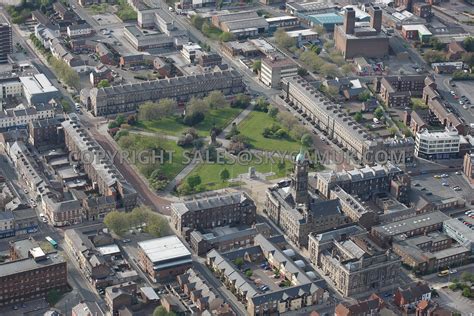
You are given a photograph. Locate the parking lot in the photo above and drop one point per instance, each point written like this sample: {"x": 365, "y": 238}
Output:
{"x": 443, "y": 187}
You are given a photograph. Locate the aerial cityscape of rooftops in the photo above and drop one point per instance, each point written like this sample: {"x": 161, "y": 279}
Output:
{"x": 237, "y": 157}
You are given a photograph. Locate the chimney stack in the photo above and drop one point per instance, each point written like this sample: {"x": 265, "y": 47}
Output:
{"x": 349, "y": 21}
{"x": 376, "y": 18}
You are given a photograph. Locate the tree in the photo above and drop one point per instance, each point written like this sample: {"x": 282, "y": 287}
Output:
{"x": 120, "y": 119}
{"x": 248, "y": 273}
{"x": 241, "y": 101}
{"x": 216, "y": 99}
{"x": 112, "y": 124}
{"x": 347, "y": 69}
{"x": 161, "y": 311}
{"x": 287, "y": 119}
{"x": 256, "y": 66}
{"x": 281, "y": 165}
{"x": 103, "y": 83}
{"x": 131, "y": 119}
{"x": 196, "y": 105}
{"x": 272, "y": 111}
{"x": 434, "y": 56}
{"x": 198, "y": 21}
{"x": 436, "y": 44}
{"x": 224, "y": 175}
{"x": 239, "y": 262}
{"x": 379, "y": 112}
{"x": 184, "y": 189}
{"x": 157, "y": 226}
{"x": 307, "y": 141}
{"x": 284, "y": 40}
{"x": 364, "y": 96}
{"x": 226, "y": 37}
{"x": 332, "y": 91}
{"x": 302, "y": 72}
{"x": 261, "y": 105}
{"x": 193, "y": 181}
{"x": 468, "y": 44}
{"x": 468, "y": 58}
{"x": 149, "y": 111}
{"x": 329, "y": 70}
{"x": 116, "y": 222}
{"x": 298, "y": 131}
{"x": 466, "y": 292}
{"x": 311, "y": 60}
{"x": 358, "y": 117}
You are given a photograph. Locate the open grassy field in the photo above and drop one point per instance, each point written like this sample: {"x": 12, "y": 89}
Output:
{"x": 210, "y": 173}
{"x": 172, "y": 126}
{"x": 252, "y": 127}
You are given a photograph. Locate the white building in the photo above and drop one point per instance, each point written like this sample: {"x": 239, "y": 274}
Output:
{"x": 275, "y": 68}
{"x": 10, "y": 87}
{"x": 46, "y": 35}
{"x": 22, "y": 116}
{"x": 38, "y": 89}
{"x": 79, "y": 30}
{"x": 190, "y": 51}
{"x": 459, "y": 232}
{"x": 437, "y": 145}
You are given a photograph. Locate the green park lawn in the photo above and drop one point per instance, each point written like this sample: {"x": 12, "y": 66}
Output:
{"x": 210, "y": 173}
{"x": 171, "y": 125}
{"x": 252, "y": 127}
{"x": 173, "y": 162}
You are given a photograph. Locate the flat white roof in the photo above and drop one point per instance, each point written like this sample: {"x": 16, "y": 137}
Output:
{"x": 417, "y": 27}
{"x": 37, "y": 84}
{"x": 307, "y": 32}
{"x": 281, "y": 18}
{"x": 163, "y": 249}
{"x": 108, "y": 250}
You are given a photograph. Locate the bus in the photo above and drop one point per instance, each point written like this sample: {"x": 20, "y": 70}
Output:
{"x": 443, "y": 273}
{"x": 52, "y": 242}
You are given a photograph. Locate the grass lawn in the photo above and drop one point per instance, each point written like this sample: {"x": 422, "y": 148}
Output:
{"x": 210, "y": 173}
{"x": 253, "y": 126}
{"x": 170, "y": 125}
{"x": 171, "y": 165}
{"x": 212, "y": 32}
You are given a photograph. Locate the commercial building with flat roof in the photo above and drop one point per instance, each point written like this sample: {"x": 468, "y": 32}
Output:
{"x": 437, "y": 145}
{"x": 163, "y": 257}
{"x": 412, "y": 226}
{"x": 459, "y": 232}
{"x": 31, "y": 274}
{"x": 142, "y": 41}
{"x": 275, "y": 68}
{"x": 38, "y": 89}
{"x": 416, "y": 32}
{"x": 326, "y": 20}
{"x": 241, "y": 24}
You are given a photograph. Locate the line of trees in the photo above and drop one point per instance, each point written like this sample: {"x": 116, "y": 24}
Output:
{"x": 140, "y": 217}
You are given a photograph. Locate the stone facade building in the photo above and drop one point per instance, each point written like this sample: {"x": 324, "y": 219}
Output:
{"x": 353, "y": 261}
{"x": 126, "y": 98}
{"x": 105, "y": 177}
{"x": 340, "y": 127}
{"x": 209, "y": 212}
{"x": 297, "y": 211}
